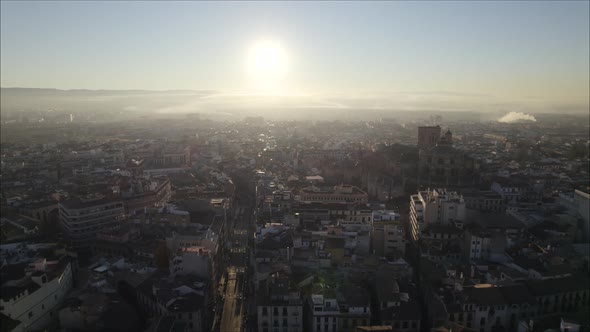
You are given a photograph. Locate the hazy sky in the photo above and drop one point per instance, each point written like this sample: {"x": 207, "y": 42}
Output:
{"x": 506, "y": 49}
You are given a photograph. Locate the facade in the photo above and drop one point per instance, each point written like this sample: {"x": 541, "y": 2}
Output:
{"x": 323, "y": 313}
{"x": 355, "y": 309}
{"x": 156, "y": 195}
{"x": 511, "y": 191}
{"x": 485, "y": 201}
{"x": 183, "y": 299}
{"x": 397, "y": 303}
{"x": 428, "y": 136}
{"x": 191, "y": 260}
{"x": 388, "y": 235}
{"x": 34, "y": 299}
{"x": 478, "y": 244}
{"x": 444, "y": 165}
{"x": 81, "y": 219}
{"x": 278, "y": 307}
{"x": 342, "y": 193}
{"x": 314, "y": 157}
{"x": 435, "y": 206}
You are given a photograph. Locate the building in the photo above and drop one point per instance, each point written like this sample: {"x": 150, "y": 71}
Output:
{"x": 82, "y": 218}
{"x": 323, "y": 313}
{"x": 443, "y": 165}
{"x": 355, "y": 308}
{"x": 428, "y": 136}
{"x": 398, "y": 303}
{"x": 278, "y": 306}
{"x": 24, "y": 225}
{"x": 387, "y": 234}
{"x": 183, "y": 298}
{"x": 95, "y": 311}
{"x": 341, "y": 193}
{"x": 32, "y": 293}
{"x": 488, "y": 237}
{"x": 136, "y": 167}
{"x": 435, "y": 206}
{"x": 153, "y": 193}
{"x": 313, "y": 157}
{"x": 195, "y": 260}
{"x": 582, "y": 201}
{"x": 511, "y": 190}
{"x": 484, "y": 201}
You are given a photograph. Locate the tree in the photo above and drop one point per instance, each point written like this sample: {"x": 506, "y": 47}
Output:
{"x": 161, "y": 255}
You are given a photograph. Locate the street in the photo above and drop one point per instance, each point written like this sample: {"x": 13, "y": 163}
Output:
{"x": 236, "y": 262}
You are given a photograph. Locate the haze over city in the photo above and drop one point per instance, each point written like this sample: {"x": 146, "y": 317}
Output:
{"x": 333, "y": 166}
{"x": 477, "y": 56}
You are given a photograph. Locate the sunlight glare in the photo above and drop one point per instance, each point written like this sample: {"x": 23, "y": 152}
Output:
{"x": 266, "y": 64}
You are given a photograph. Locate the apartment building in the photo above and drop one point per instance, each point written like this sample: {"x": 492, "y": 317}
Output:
{"x": 435, "y": 206}
{"x": 82, "y": 218}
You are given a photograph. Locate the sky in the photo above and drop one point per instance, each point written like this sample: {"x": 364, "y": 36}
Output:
{"x": 498, "y": 50}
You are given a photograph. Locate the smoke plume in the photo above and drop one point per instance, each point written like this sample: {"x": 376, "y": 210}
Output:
{"x": 516, "y": 116}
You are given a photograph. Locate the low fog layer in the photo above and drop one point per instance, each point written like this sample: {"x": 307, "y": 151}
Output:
{"x": 285, "y": 106}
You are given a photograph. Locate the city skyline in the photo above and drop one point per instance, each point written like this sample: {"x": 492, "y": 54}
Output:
{"x": 383, "y": 53}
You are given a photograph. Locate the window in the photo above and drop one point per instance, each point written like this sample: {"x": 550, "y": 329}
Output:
{"x": 405, "y": 324}
{"x": 264, "y": 311}
{"x": 284, "y": 311}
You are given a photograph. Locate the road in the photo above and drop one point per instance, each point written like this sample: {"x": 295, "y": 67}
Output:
{"x": 234, "y": 308}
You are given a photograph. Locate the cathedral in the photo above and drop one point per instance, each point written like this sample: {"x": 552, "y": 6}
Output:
{"x": 440, "y": 164}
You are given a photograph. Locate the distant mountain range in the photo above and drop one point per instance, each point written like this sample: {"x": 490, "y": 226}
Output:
{"x": 73, "y": 92}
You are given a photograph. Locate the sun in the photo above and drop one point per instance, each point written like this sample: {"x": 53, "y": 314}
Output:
{"x": 266, "y": 64}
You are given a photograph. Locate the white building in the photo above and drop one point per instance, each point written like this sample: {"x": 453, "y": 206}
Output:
{"x": 324, "y": 314}
{"x": 435, "y": 206}
{"x": 34, "y": 299}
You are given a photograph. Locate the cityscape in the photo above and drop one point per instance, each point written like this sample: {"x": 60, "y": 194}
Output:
{"x": 134, "y": 197}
